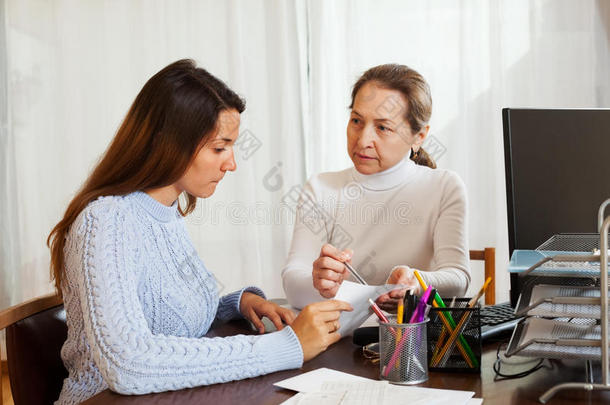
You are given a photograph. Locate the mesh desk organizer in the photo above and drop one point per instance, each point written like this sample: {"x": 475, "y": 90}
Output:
{"x": 566, "y": 305}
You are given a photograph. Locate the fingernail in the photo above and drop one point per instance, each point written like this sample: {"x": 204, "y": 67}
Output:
{"x": 343, "y": 256}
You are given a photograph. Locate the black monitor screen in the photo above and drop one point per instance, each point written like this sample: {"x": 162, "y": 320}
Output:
{"x": 557, "y": 172}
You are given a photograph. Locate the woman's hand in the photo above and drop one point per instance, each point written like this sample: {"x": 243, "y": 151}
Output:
{"x": 401, "y": 275}
{"x": 317, "y": 326}
{"x": 329, "y": 271}
{"x": 254, "y": 307}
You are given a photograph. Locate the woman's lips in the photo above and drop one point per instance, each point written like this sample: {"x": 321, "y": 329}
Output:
{"x": 364, "y": 157}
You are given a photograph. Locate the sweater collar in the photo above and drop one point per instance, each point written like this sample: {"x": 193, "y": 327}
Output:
{"x": 388, "y": 178}
{"x": 157, "y": 210}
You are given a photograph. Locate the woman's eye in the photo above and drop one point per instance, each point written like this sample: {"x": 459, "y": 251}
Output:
{"x": 218, "y": 150}
{"x": 382, "y": 128}
{"x": 355, "y": 120}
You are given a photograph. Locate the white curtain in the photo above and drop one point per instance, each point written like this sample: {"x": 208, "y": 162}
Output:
{"x": 70, "y": 69}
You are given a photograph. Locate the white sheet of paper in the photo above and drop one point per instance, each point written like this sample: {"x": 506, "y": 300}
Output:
{"x": 315, "y": 398}
{"x": 294, "y": 400}
{"x": 312, "y": 381}
{"x": 358, "y": 295}
{"x": 426, "y": 396}
{"x": 324, "y": 379}
{"x": 358, "y": 393}
{"x": 322, "y": 398}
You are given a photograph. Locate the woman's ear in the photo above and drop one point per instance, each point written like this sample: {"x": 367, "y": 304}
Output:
{"x": 420, "y": 137}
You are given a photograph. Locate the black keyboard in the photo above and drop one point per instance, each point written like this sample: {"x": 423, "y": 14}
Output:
{"x": 497, "y": 320}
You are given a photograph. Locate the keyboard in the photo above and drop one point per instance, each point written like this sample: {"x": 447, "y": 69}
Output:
{"x": 497, "y": 321}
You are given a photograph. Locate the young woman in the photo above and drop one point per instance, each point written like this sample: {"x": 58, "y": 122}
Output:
{"x": 389, "y": 214}
{"x": 138, "y": 300}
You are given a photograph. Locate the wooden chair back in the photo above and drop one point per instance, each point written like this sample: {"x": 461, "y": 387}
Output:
{"x": 488, "y": 255}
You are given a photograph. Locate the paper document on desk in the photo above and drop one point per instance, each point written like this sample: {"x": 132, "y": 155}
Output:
{"x": 315, "y": 398}
{"x": 312, "y": 381}
{"x": 357, "y": 390}
{"x": 358, "y": 295}
{"x": 358, "y": 393}
{"x": 396, "y": 394}
{"x": 326, "y": 399}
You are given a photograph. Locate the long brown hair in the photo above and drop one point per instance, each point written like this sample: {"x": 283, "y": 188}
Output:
{"x": 416, "y": 91}
{"x": 174, "y": 114}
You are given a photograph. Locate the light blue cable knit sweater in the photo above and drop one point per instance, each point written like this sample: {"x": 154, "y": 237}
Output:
{"x": 138, "y": 300}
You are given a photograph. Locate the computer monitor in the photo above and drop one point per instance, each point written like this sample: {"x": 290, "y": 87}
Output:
{"x": 557, "y": 164}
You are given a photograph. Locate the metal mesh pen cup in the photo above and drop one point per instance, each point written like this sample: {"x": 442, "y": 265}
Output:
{"x": 463, "y": 352}
{"x": 403, "y": 352}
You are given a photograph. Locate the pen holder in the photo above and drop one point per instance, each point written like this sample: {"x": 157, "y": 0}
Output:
{"x": 403, "y": 352}
{"x": 451, "y": 350}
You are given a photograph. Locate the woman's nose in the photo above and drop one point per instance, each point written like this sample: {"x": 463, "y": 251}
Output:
{"x": 229, "y": 164}
{"x": 366, "y": 136}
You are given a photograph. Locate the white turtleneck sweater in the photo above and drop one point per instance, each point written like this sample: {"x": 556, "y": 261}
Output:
{"x": 407, "y": 215}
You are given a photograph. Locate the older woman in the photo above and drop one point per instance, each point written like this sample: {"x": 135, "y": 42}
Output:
{"x": 390, "y": 213}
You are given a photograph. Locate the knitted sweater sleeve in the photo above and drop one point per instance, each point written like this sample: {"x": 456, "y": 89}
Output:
{"x": 130, "y": 358}
{"x": 228, "y": 305}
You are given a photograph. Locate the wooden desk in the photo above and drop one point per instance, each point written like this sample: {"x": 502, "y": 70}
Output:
{"x": 345, "y": 356}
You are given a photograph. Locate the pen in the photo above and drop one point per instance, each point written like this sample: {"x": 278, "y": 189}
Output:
{"x": 460, "y": 326}
{"x": 400, "y": 338}
{"x": 400, "y": 312}
{"x": 378, "y": 312}
{"x": 419, "y": 314}
{"x": 444, "y": 333}
{"x": 449, "y": 323}
{"x": 381, "y": 316}
{"x": 399, "y": 319}
{"x": 429, "y": 303}
{"x": 410, "y": 304}
{"x": 432, "y": 296}
{"x": 477, "y": 297}
{"x": 355, "y": 273}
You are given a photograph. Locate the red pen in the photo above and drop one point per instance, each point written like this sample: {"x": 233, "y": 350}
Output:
{"x": 381, "y": 316}
{"x": 378, "y": 312}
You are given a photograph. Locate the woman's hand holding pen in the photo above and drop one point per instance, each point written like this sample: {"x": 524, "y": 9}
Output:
{"x": 317, "y": 326}
{"x": 400, "y": 275}
{"x": 254, "y": 307}
{"x": 329, "y": 271}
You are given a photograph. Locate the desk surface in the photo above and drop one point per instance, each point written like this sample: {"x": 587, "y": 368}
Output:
{"x": 345, "y": 356}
